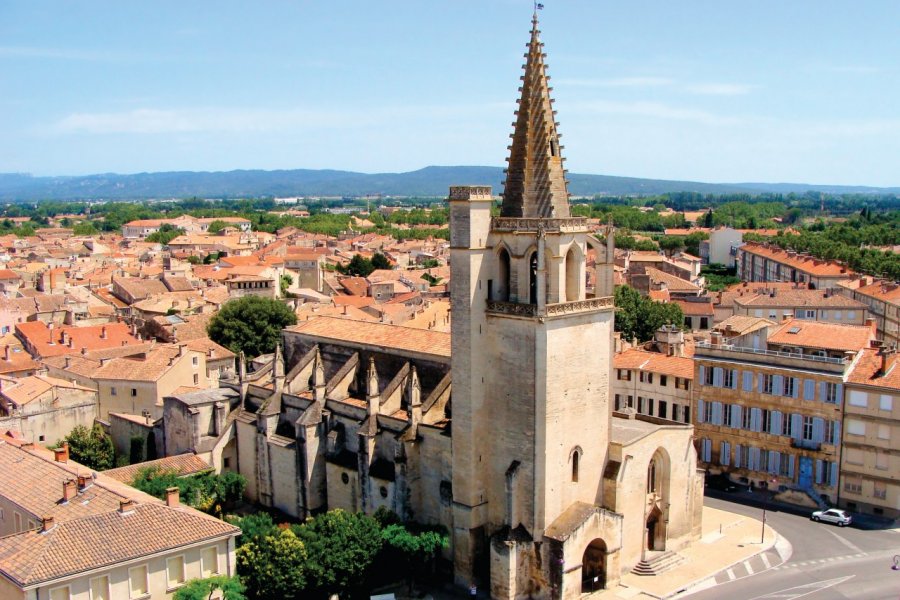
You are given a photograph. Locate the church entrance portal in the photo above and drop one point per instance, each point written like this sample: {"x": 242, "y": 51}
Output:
{"x": 593, "y": 567}
{"x": 654, "y": 530}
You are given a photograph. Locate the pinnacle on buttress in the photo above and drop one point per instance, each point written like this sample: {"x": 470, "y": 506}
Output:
{"x": 535, "y": 179}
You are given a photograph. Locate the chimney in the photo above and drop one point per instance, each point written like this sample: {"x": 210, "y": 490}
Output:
{"x": 6, "y": 353}
{"x": 126, "y": 506}
{"x": 70, "y": 490}
{"x": 103, "y": 332}
{"x": 47, "y": 523}
{"x": 888, "y": 356}
{"x": 61, "y": 454}
{"x": 84, "y": 481}
{"x": 172, "y": 497}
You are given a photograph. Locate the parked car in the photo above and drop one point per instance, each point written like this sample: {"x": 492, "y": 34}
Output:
{"x": 721, "y": 483}
{"x": 833, "y": 515}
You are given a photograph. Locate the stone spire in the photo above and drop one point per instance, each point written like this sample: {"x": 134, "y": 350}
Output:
{"x": 535, "y": 178}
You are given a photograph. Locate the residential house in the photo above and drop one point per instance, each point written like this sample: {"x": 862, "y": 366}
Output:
{"x": 42, "y": 340}
{"x": 766, "y": 262}
{"x": 883, "y": 301}
{"x": 817, "y": 305}
{"x": 45, "y": 409}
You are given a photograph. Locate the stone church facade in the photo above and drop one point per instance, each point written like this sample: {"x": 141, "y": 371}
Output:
{"x": 546, "y": 490}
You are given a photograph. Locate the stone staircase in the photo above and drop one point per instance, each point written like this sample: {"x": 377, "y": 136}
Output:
{"x": 657, "y": 562}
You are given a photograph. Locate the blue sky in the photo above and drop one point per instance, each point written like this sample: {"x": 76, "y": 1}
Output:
{"x": 799, "y": 90}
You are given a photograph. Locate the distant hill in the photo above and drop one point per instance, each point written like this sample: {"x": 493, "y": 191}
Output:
{"x": 430, "y": 181}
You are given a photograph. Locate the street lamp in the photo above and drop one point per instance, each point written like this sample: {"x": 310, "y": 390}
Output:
{"x": 762, "y": 537}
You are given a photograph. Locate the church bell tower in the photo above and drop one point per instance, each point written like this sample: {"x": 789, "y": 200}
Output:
{"x": 531, "y": 356}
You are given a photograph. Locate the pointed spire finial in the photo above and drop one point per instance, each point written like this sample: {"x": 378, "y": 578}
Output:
{"x": 535, "y": 179}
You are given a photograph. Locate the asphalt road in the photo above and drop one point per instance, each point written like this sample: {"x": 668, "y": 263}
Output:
{"x": 827, "y": 563}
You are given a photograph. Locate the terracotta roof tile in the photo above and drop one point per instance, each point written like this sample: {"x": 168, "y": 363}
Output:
{"x": 183, "y": 464}
{"x": 654, "y": 362}
{"x": 868, "y": 367}
{"x": 377, "y": 334}
{"x": 807, "y": 264}
{"x": 821, "y": 335}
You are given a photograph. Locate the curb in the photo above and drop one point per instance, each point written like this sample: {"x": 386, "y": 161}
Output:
{"x": 784, "y": 552}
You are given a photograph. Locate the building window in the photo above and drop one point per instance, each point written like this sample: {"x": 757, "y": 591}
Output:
{"x": 651, "y": 477}
{"x": 195, "y": 361}
{"x": 137, "y": 582}
{"x": 726, "y": 415}
{"x": 768, "y": 384}
{"x": 383, "y": 491}
{"x": 858, "y": 398}
{"x": 687, "y": 414}
{"x": 576, "y": 457}
{"x": 788, "y": 386}
{"x": 662, "y": 410}
{"x": 831, "y": 393}
{"x": 807, "y": 433}
{"x": 853, "y": 456}
{"x": 884, "y": 432}
{"x": 729, "y": 376}
{"x": 100, "y": 588}
{"x": 630, "y": 401}
{"x": 745, "y": 417}
{"x": 133, "y": 392}
{"x": 855, "y": 427}
{"x": 112, "y": 391}
{"x": 853, "y": 486}
{"x": 345, "y": 478}
{"x": 766, "y": 420}
{"x": 60, "y": 593}
{"x": 882, "y": 460}
{"x": 624, "y": 375}
{"x": 708, "y": 376}
{"x": 851, "y": 315}
{"x": 175, "y": 571}
{"x": 707, "y": 412}
{"x": 663, "y": 380}
{"x": 196, "y": 378}
{"x": 886, "y": 402}
{"x": 880, "y": 490}
{"x": 209, "y": 561}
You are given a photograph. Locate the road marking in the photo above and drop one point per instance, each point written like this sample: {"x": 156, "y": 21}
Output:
{"x": 803, "y": 590}
{"x": 846, "y": 542}
{"x": 765, "y": 560}
{"x": 731, "y": 575}
{"x": 748, "y": 566}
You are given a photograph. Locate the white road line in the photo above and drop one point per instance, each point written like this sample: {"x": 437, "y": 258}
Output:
{"x": 846, "y": 542}
{"x": 765, "y": 560}
{"x": 731, "y": 575}
{"x": 803, "y": 590}
{"x": 748, "y": 566}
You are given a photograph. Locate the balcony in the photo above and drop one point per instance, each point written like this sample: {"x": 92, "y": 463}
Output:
{"x": 806, "y": 445}
{"x": 772, "y": 357}
{"x": 512, "y": 224}
{"x": 517, "y": 309}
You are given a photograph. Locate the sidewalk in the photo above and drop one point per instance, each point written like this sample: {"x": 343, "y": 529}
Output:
{"x": 728, "y": 539}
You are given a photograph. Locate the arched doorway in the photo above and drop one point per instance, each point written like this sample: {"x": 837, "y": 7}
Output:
{"x": 655, "y": 533}
{"x": 504, "y": 265}
{"x": 573, "y": 276}
{"x": 593, "y": 567}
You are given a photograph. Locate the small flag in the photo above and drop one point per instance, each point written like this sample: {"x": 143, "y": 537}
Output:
{"x": 539, "y": 6}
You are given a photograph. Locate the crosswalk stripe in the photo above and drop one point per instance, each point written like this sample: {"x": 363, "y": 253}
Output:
{"x": 748, "y": 566}
{"x": 765, "y": 560}
{"x": 730, "y": 573}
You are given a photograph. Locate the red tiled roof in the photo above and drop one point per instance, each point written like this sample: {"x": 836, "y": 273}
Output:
{"x": 867, "y": 371}
{"x": 46, "y": 342}
{"x": 654, "y": 362}
{"x": 807, "y": 264}
{"x": 696, "y": 309}
{"x": 821, "y": 335}
{"x": 377, "y": 334}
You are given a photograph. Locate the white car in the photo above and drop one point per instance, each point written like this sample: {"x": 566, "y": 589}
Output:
{"x": 833, "y": 515}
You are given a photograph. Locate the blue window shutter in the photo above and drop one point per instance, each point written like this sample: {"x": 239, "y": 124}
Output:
{"x": 724, "y": 454}
{"x": 822, "y": 391}
{"x": 737, "y": 455}
{"x": 756, "y": 419}
{"x": 833, "y": 474}
{"x": 796, "y": 388}
{"x": 818, "y": 433}
{"x": 736, "y": 416}
{"x": 839, "y": 394}
{"x": 809, "y": 389}
{"x": 820, "y": 468}
{"x": 774, "y": 462}
{"x": 836, "y": 435}
{"x": 702, "y": 375}
{"x": 748, "y": 381}
{"x": 796, "y": 426}
{"x": 700, "y": 412}
{"x": 734, "y": 379}
{"x": 777, "y": 385}
{"x": 756, "y": 458}
{"x": 718, "y": 376}
{"x": 760, "y": 384}
{"x": 791, "y": 466}
{"x": 775, "y": 426}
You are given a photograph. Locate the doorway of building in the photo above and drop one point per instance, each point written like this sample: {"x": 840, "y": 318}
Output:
{"x": 654, "y": 530}
{"x": 593, "y": 567}
{"x": 806, "y": 470}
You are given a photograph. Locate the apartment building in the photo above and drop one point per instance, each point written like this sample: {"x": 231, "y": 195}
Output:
{"x": 870, "y": 462}
{"x": 772, "y": 415}
{"x": 757, "y": 261}
{"x": 883, "y": 301}
{"x": 653, "y": 384}
{"x": 816, "y": 305}
{"x": 69, "y": 534}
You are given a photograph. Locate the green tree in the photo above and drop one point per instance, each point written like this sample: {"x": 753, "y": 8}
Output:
{"x": 284, "y": 283}
{"x": 86, "y": 228}
{"x": 207, "y": 491}
{"x": 251, "y": 324}
{"x": 430, "y": 263}
{"x": 167, "y": 232}
{"x": 380, "y": 261}
{"x": 216, "y": 226}
{"x": 202, "y": 589}
{"x": 341, "y": 546}
{"x": 414, "y": 552}
{"x": 254, "y": 526}
{"x": 136, "y": 450}
{"x": 194, "y": 260}
{"x": 358, "y": 266}
{"x": 639, "y": 317}
{"x": 272, "y": 567}
{"x": 671, "y": 244}
{"x": 91, "y": 447}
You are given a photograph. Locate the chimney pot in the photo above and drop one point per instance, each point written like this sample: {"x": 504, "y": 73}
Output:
{"x": 70, "y": 489}
{"x": 84, "y": 481}
{"x": 61, "y": 454}
{"x": 47, "y": 523}
{"x": 126, "y": 505}
{"x": 172, "y": 497}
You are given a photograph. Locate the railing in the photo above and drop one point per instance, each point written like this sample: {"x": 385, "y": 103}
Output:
{"x": 806, "y": 444}
{"x": 812, "y": 357}
{"x": 559, "y": 308}
{"x": 532, "y": 225}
